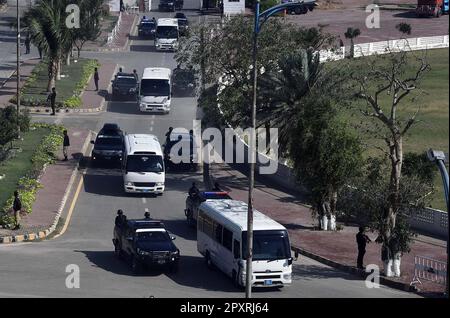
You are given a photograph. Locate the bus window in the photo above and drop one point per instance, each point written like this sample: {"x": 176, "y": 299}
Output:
{"x": 237, "y": 249}
{"x": 218, "y": 233}
{"x": 227, "y": 238}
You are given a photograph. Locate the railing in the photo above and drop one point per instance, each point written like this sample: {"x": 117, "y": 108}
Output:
{"x": 113, "y": 36}
{"x": 383, "y": 47}
{"x": 429, "y": 269}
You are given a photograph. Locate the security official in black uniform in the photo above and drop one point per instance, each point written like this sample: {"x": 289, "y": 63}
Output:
{"x": 361, "y": 239}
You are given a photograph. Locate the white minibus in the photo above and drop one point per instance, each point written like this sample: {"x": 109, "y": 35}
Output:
{"x": 143, "y": 164}
{"x": 222, "y": 240}
{"x": 155, "y": 90}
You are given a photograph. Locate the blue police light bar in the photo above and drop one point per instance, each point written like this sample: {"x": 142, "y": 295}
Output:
{"x": 214, "y": 193}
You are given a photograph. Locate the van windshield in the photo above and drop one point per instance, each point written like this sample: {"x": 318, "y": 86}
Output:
{"x": 145, "y": 163}
{"x": 268, "y": 245}
{"x": 167, "y": 32}
{"x": 155, "y": 87}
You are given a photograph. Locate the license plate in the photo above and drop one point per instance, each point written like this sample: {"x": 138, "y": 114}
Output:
{"x": 161, "y": 261}
{"x": 145, "y": 190}
{"x": 107, "y": 158}
{"x": 268, "y": 282}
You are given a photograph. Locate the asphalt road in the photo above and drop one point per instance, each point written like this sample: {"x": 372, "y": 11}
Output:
{"x": 38, "y": 269}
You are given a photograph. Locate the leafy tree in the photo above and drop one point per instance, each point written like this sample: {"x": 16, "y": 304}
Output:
{"x": 90, "y": 30}
{"x": 384, "y": 84}
{"x": 8, "y": 124}
{"x": 404, "y": 28}
{"x": 352, "y": 34}
{"x": 367, "y": 201}
{"x": 418, "y": 165}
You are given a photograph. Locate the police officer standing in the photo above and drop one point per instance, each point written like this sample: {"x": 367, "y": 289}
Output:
{"x": 361, "y": 239}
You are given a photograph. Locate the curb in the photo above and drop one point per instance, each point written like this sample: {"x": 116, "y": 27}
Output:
{"x": 29, "y": 237}
{"x": 353, "y": 270}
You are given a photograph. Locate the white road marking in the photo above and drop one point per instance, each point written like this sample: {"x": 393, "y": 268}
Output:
{"x": 151, "y": 128}
{"x": 144, "y": 200}
{"x": 146, "y": 210}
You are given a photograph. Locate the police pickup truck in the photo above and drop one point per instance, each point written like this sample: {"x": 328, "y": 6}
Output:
{"x": 194, "y": 201}
{"x": 145, "y": 243}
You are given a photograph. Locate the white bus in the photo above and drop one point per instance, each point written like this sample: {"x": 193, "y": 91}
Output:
{"x": 155, "y": 90}
{"x": 143, "y": 165}
{"x": 167, "y": 34}
{"x": 222, "y": 240}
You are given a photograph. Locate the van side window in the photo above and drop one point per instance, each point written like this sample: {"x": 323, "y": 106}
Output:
{"x": 208, "y": 226}
{"x": 237, "y": 249}
{"x": 227, "y": 238}
{"x": 218, "y": 233}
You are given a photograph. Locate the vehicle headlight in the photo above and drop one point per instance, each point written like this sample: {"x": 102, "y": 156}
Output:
{"x": 141, "y": 105}
{"x": 287, "y": 276}
{"x": 159, "y": 184}
{"x": 130, "y": 184}
{"x": 142, "y": 252}
{"x": 133, "y": 89}
{"x": 177, "y": 252}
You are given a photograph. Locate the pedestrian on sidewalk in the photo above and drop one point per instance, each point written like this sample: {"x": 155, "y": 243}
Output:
{"x": 66, "y": 145}
{"x": 96, "y": 79}
{"x": 40, "y": 52}
{"x": 17, "y": 208}
{"x": 361, "y": 239}
{"x": 27, "y": 44}
{"x": 136, "y": 76}
{"x": 52, "y": 100}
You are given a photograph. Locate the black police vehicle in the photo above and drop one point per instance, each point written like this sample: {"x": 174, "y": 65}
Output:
{"x": 170, "y": 5}
{"x": 183, "y": 24}
{"x": 183, "y": 82}
{"x": 109, "y": 145}
{"x": 125, "y": 85}
{"x": 145, "y": 243}
{"x": 147, "y": 28}
{"x": 185, "y": 151}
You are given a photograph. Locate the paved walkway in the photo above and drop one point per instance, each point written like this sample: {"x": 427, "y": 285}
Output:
{"x": 340, "y": 246}
{"x": 54, "y": 181}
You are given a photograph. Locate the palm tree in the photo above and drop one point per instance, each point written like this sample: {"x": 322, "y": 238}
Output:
{"x": 352, "y": 34}
{"x": 282, "y": 92}
{"x": 45, "y": 22}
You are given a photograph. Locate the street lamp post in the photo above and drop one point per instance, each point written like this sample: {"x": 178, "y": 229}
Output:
{"x": 18, "y": 71}
{"x": 260, "y": 18}
{"x": 440, "y": 158}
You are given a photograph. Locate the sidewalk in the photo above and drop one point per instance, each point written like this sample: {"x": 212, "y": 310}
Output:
{"x": 92, "y": 101}
{"x": 56, "y": 181}
{"x": 9, "y": 88}
{"x": 340, "y": 246}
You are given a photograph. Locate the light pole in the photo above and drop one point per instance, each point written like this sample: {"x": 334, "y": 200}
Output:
{"x": 18, "y": 71}
{"x": 260, "y": 18}
{"x": 440, "y": 159}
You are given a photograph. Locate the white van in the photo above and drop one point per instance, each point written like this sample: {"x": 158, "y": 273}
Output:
{"x": 143, "y": 165}
{"x": 155, "y": 90}
{"x": 166, "y": 35}
{"x": 222, "y": 240}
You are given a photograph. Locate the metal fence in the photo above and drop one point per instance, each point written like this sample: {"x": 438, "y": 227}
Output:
{"x": 429, "y": 269}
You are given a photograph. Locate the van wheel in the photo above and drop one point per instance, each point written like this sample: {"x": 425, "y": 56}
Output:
{"x": 235, "y": 278}
{"x": 208, "y": 261}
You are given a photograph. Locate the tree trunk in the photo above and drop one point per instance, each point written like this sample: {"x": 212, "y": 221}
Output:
{"x": 68, "y": 59}
{"x": 333, "y": 203}
{"x": 58, "y": 69}
{"x": 352, "y": 48}
{"x": 391, "y": 256}
{"x": 51, "y": 74}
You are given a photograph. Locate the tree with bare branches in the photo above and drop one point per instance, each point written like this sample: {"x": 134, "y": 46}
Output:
{"x": 389, "y": 86}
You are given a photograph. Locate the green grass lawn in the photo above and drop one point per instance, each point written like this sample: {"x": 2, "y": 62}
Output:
{"x": 36, "y": 87}
{"x": 18, "y": 166}
{"x": 433, "y": 129}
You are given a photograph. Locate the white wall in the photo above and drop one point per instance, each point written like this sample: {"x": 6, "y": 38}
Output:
{"x": 233, "y": 7}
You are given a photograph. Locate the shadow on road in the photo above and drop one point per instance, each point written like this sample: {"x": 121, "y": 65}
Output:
{"x": 128, "y": 107}
{"x": 411, "y": 14}
{"x": 180, "y": 228}
{"x": 311, "y": 272}
{"x": 142, "y": 48}
{"x": 107, "y": 182}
